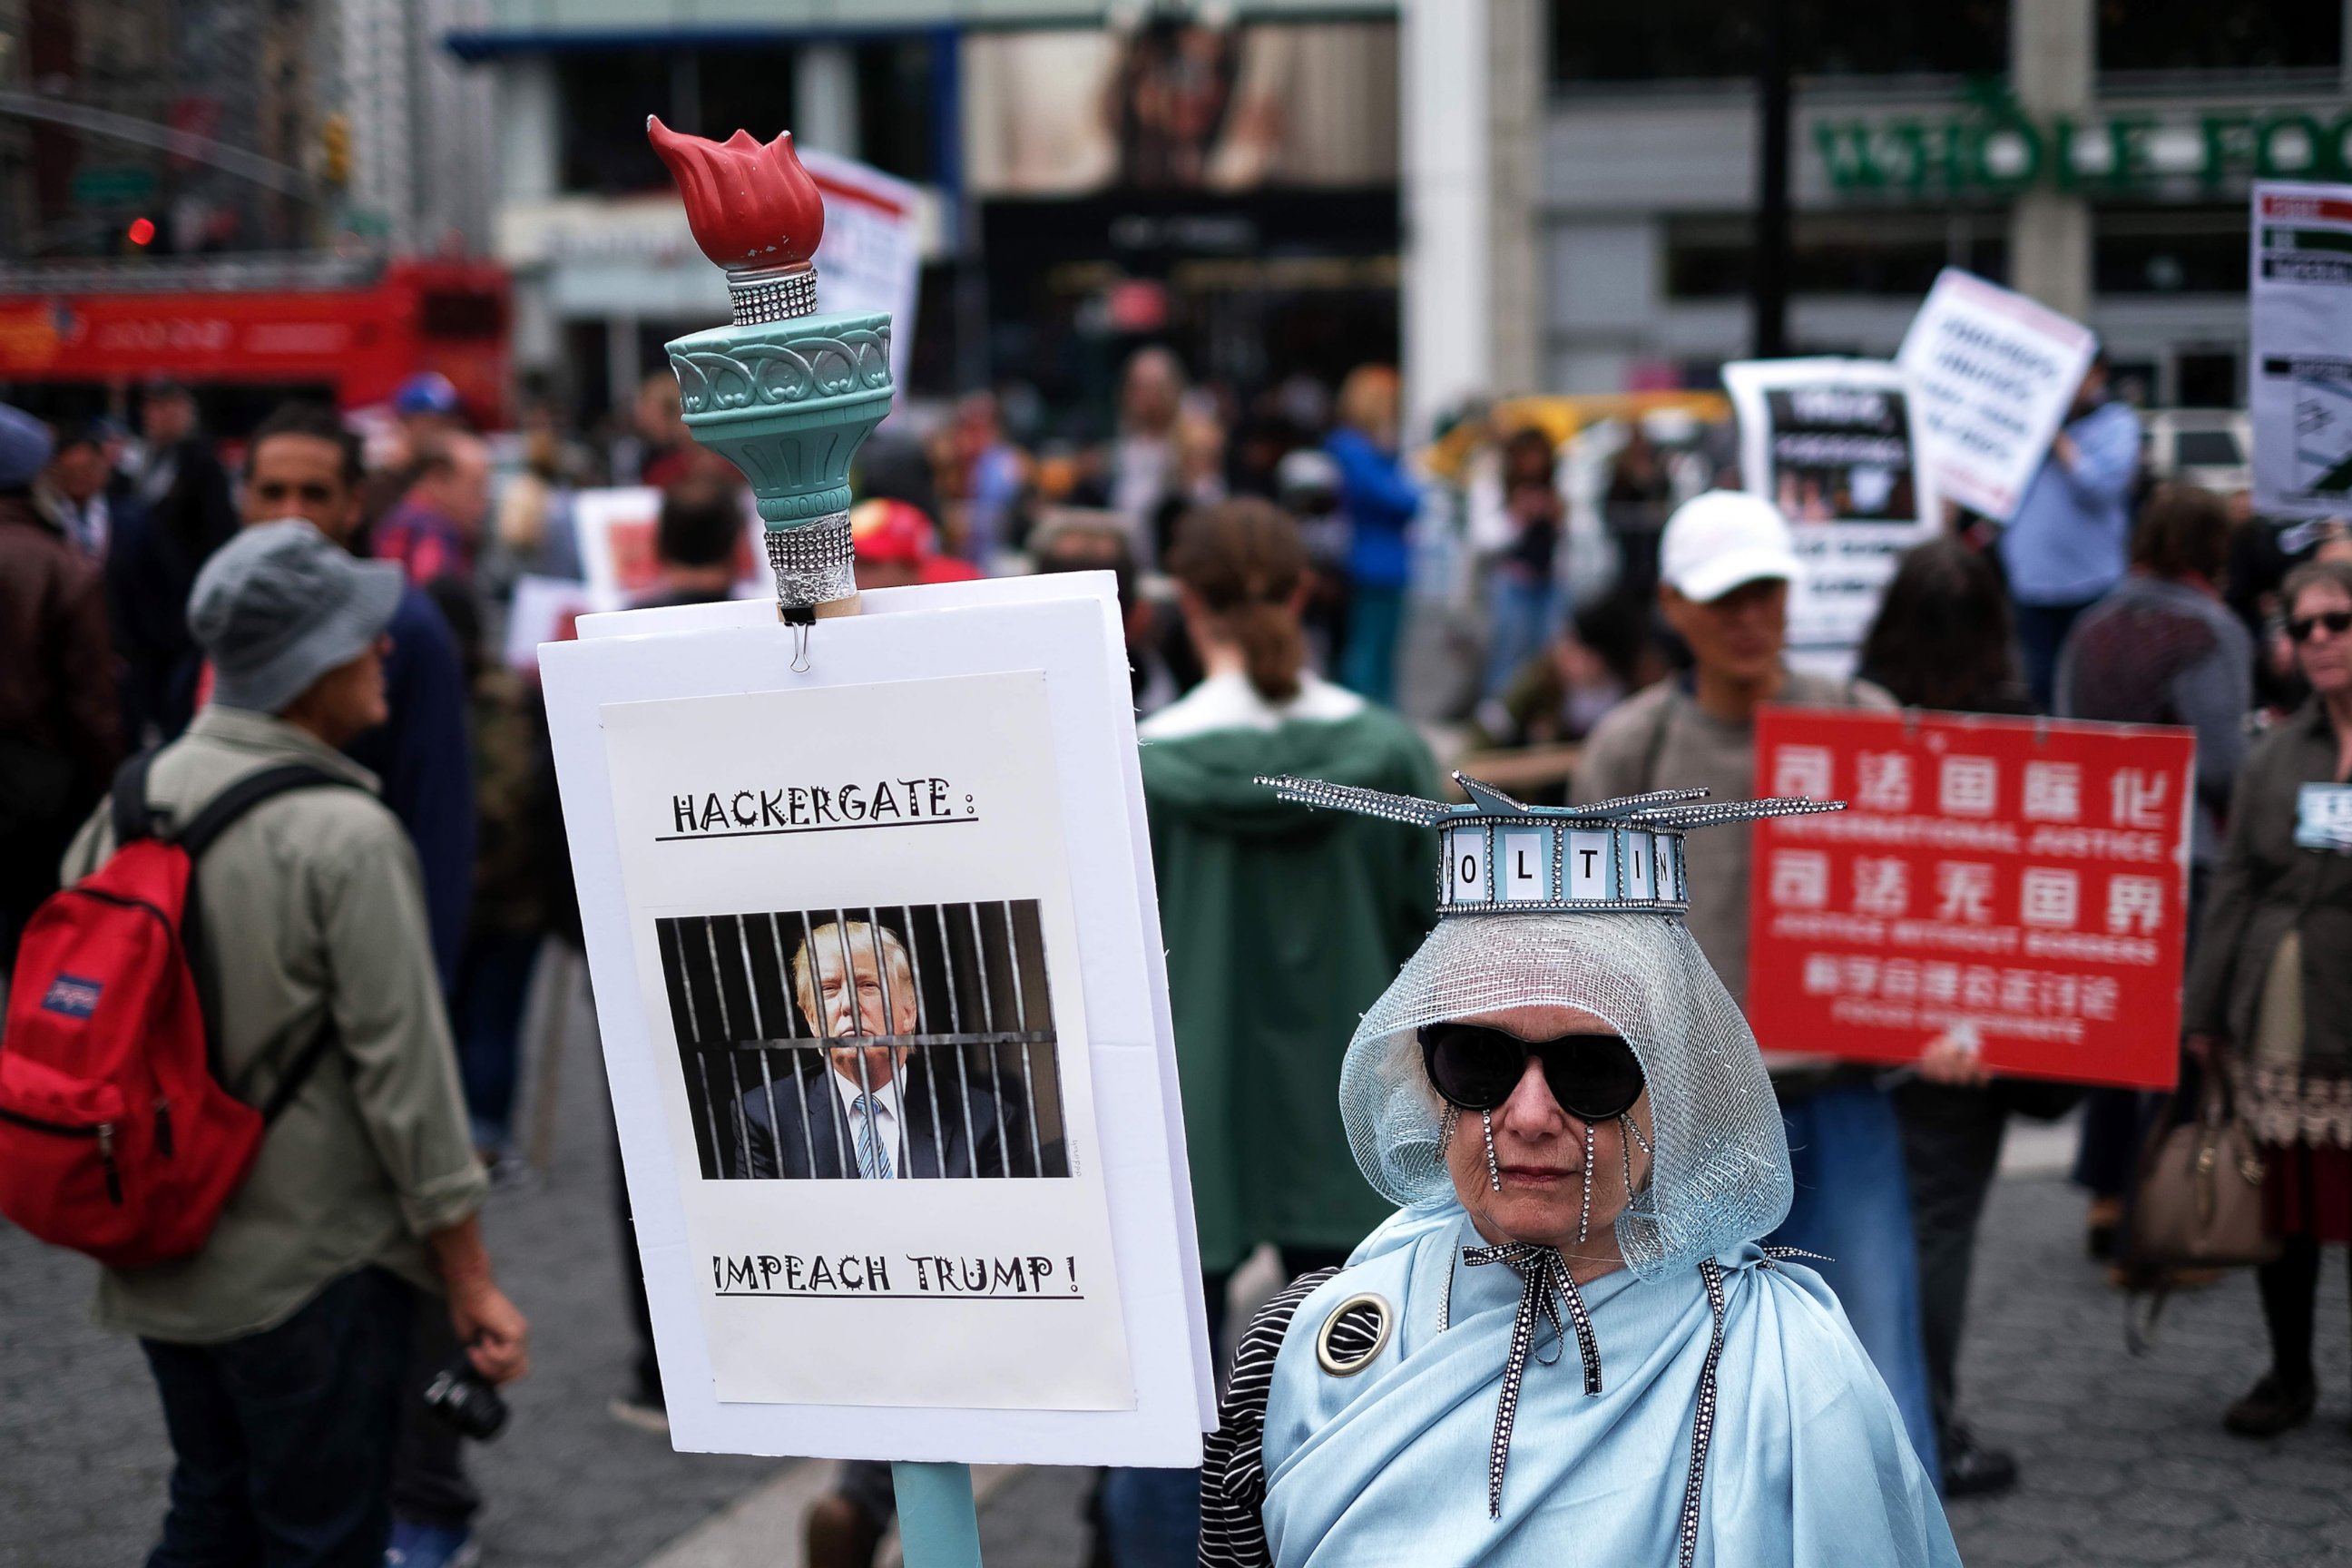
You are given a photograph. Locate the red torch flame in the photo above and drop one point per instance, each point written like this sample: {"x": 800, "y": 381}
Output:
{"x": 751, "y": 207}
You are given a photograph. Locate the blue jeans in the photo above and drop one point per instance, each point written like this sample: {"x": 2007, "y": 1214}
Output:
{"x": 1854, "y": 1207}
{"x": 281, "y": 1441}
{"x": 1150, "y": 1519}
{"x": 2040, "y": 632}
{"x": 1518, "y": 621}
{"x": 1367, "y": 667}
{"x": 493, "y": 985}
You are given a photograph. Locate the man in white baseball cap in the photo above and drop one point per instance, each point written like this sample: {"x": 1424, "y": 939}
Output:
{"x": 1725, "y": 568}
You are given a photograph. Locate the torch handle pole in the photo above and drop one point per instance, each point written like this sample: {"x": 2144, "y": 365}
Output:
{"x": 938, "y": 1523}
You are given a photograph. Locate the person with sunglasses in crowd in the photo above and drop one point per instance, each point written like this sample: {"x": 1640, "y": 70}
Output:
{"x": 2269, "y": 993}
{"x": 1566, "y": 1345}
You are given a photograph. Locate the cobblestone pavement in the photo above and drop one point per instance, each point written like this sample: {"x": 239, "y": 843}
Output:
{"x": 2123, "y": 1460}
{"x": 83, "y": 1460}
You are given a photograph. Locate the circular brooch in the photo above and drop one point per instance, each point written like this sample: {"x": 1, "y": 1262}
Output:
{"x": 1356, "y": 1332}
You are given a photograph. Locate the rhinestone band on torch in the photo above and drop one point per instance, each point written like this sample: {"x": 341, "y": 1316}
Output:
{"x": 781, "y": 296}
{"x": 814, "y": 563}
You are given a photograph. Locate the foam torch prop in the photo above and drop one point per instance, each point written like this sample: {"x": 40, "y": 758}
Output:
{"x": 785, "y": 395}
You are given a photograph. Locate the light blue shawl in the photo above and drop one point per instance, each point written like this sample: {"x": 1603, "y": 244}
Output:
{"x": 1808, "y": 1463}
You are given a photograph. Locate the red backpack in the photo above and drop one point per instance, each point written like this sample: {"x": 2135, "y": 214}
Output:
{"x": 117, "y": 1135}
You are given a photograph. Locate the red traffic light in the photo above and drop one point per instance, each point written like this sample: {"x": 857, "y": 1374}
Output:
{"x": 142, "y": 231}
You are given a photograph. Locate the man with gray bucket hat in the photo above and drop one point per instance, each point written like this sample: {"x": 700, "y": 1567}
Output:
{"x": 281, "y": 1347}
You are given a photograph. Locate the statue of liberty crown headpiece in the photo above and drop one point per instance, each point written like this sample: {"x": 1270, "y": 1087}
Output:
{"x": 1503, "y": 857}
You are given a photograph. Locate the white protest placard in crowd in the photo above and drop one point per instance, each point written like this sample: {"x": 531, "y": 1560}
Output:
{"x": 871, "y": 256}
{"x": 2299, "y": 295}
{"x": 1993, "y": 373}
{"x": 542, "y": 610}
{"x": 1833, "y": 443}
{"x": 616, "y": 530}
{"x": 878, "y": 964}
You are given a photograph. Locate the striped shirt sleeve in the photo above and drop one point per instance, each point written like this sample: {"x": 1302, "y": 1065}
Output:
{"x": 1233, "y": 1471}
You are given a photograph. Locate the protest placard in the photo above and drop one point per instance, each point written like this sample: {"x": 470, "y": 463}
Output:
{"x": 871, "y": 256}
{"x": 615, "y": 530}
{"x": 1993, "y": 373}
{"x": 2299, "y": 302}
{"x": 1831, "y": 443}
{"x": 2019, "y": 882}
{"x": 877, "y": 963}
{"x": 542, "y": 610}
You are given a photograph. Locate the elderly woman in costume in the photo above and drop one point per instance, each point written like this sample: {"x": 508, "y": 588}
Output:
{"x": 1567, "y": 1346}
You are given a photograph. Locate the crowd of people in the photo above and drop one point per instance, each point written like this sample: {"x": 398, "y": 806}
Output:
{"x": 328, "y": 600}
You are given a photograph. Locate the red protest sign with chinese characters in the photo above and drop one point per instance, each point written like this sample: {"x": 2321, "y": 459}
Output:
{"x": 2024, "y": 880}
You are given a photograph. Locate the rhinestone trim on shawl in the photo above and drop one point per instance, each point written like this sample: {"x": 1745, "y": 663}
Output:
{"x": 1703, "y": 1426}
{"x": 1547, "y": 1284}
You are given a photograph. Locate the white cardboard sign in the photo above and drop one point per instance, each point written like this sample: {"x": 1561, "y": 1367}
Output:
{"x": 2299, "y": 298}
{"x": 1992, "y": 373}
{"x": 930, "y": 841}
{"x": 1834, "y": 444}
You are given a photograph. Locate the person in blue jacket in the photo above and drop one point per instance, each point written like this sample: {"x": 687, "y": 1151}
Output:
{"x": 1379, "y": 500}
{"x": 2066, "y": 544}
{"x": 303, "y": 463}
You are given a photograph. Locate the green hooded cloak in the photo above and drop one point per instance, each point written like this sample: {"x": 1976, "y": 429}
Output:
{"x": 1283, "y": 926}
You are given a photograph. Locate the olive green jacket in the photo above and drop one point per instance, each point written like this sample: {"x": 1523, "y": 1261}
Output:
{"x": 2295, "y": 1066}
{"x": 1283, "y": 925}
{"x": 311, "y": 910}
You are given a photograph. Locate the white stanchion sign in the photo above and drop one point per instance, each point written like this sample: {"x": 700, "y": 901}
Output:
{"x": 878, "y": 964}
{"x": 2300, "y": 396}
{"x": 1993, "y": 373}
{"x": 1833, "y": 443}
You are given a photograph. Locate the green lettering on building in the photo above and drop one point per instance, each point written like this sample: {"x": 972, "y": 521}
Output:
{"x": 1994, "y": 149}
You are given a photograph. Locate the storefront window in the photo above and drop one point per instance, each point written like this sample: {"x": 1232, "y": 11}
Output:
{"x": 2220, "y": 35}
{"x": 743, "y": 86}
{"x": 604, "y": 96}
{"x": 896, "y": 108}
{"x": 2169, "y": 250}
{"x": 1707, "y": 40}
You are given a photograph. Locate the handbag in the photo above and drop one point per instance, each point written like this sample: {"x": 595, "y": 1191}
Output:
{"x": 2197, "y": 1202}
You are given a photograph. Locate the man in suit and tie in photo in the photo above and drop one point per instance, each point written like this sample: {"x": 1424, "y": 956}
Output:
{"x": 878, "y": 1114}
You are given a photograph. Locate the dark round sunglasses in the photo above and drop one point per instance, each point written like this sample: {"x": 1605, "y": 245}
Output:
{"x": 2337, "y": 623}
{"x": 1593, "y": 1076}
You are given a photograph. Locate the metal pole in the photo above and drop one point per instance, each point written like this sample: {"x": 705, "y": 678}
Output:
{"x": 726, "y": 1041}
{"x": 1769, "y": 294}
{"x": 955, "y": 1026}
{"x": 938, "y": 1523}
{"x": 890, "y": 1028}
{"x": 676, "y": 932}
{"x": 995, "y": 1062}
{"x": 858, "y": 1037}
{"x": 1021, "y": 1022}
{"x": 930, "y": 1057}
{"x": 800, "y": 1084}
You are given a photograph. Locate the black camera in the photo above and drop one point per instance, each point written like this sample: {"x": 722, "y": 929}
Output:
{"x": 467, "y": 1400}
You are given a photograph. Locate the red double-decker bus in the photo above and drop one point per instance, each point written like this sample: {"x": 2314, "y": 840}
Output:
{"x": 352, "y": 328}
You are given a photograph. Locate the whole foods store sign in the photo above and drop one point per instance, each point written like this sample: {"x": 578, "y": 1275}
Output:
{"x": 1999, "y": 150}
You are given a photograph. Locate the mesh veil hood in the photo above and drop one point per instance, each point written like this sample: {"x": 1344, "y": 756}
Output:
{"x": 1719, "y": 1172}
